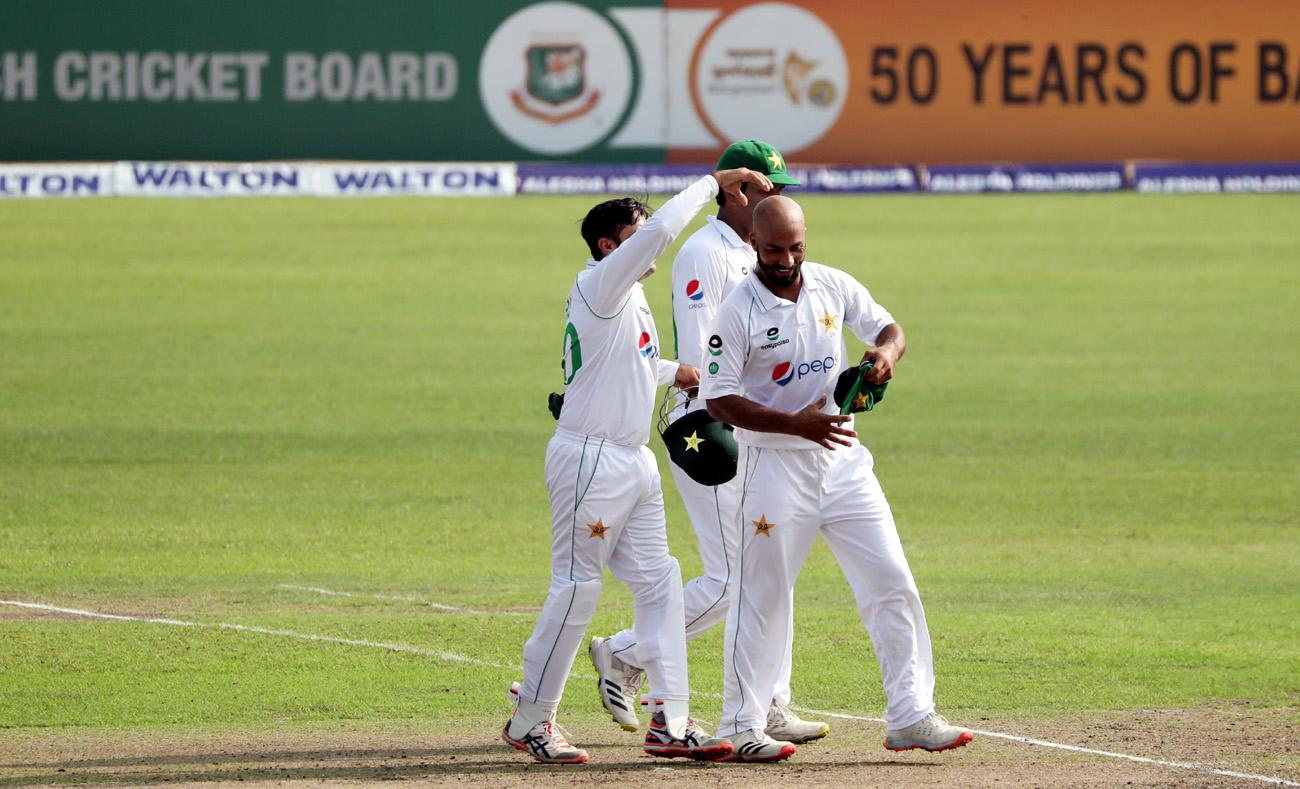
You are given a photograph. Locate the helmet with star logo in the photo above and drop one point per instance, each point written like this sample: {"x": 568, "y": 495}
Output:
{"x": 702, "y": 446}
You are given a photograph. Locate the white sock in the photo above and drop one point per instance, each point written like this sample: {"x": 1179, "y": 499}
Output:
{"x": 676, "y": 711}
{"x": 527, "y": 715}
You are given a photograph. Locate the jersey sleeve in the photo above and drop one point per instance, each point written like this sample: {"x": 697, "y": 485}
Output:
{"x": 666, "y": 371}
{"x": 728, "y": 348}
{"x": 699, "y": 275}
{"x": 605, "y": 288}
{"x": 862, "y": 314}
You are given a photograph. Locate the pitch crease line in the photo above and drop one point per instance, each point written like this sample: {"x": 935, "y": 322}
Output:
{"x": 455, "y": 658}
{"x": 401, "y": 599}
{"x": 1079, "y": 749}
{"x": 355, "y": 642}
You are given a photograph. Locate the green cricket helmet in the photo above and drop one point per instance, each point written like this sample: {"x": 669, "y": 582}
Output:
{"x": 703, "y": 447}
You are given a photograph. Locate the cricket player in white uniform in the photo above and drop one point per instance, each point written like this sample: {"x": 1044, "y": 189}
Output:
{"x": 603, "y": 482}
{"x": 710, "y": 264}
{"x": 803, "y": 474}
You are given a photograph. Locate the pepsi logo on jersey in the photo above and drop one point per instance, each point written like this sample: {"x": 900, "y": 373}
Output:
{"x": 695, "y": 293}
{"x": 785, "y": 372}
{"x": 647, "y": 348}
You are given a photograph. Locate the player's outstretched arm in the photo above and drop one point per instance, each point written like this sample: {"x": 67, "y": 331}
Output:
{"x": 809, "y": 422}
{"x": 605, "y": 289}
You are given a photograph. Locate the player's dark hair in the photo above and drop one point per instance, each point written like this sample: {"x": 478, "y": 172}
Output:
{"x": 606, "y": 219}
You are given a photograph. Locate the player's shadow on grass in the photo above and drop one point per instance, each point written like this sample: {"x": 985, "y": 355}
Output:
{"x": 377, "y": 764}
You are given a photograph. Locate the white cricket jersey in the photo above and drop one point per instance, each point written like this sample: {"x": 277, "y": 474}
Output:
{"x": 783, "y": 354}
{"x": 611, "y": 348}
{"x": 710, "y": 264}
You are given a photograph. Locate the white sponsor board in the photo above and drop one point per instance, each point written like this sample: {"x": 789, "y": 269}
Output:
{"x": 254, "y": 179}
{"x": 209, "y": 179}
{"x": 459, "y": 179}
{"x": 55, "y": 180}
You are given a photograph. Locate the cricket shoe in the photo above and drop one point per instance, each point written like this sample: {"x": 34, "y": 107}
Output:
{"x": 619, "y": 684}
{"x": 783, "y": 724}
{"x": 931, "y": 733}
{"x": 695, "y": 743}
{"x": 755, "y": 746}
{"x": 546, "y": 744}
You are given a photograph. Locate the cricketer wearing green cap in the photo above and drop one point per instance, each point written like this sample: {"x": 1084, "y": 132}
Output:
{"x": 759, "y": 157}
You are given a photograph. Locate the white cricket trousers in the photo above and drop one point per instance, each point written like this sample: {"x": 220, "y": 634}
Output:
{"x": 607, "y": 510}
{"x": 712, "y": 511}
{"x": 788, "y": 497}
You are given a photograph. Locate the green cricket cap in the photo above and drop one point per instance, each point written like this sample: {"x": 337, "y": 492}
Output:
{"x": 759, "y": 157}
{"x": 703, "y": 447}
{"x": 852, "y": 392}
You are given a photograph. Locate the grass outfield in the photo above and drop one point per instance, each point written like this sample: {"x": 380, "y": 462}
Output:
{"x": 1091, "y": 450}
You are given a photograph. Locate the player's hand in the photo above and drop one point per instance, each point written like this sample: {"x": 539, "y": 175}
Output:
{"x": 822, "y": 428}
{"x": 882, "y": 365}
{"x": 688, "y": 378}
{"x": 731, "y": 180}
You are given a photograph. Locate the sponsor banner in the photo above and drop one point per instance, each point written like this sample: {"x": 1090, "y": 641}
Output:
{"x": 846, "y": 178}
{"x": 414, "y": 178}
{"x": 55, "y": 180}
{"x": 670, "y": 179}
{"x": 253, "y": 179}
{"x": 949, "y": 82}
{"x": 1182, "y": 178}
{"x": 651, "y": 81}
{"x": 595, "y": 179}
{"x": 210, "y": 179}
{"x": 1025, "y": 178}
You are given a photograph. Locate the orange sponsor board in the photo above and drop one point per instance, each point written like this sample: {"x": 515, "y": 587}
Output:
{"x": 999, "y": 80}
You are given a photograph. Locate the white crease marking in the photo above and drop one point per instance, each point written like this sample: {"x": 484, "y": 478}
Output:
{"x": 456, "y": 658}
{"x": 402, "y": 599}
{"x": 1079, "y": 749}
{"x": 355, "y": 642}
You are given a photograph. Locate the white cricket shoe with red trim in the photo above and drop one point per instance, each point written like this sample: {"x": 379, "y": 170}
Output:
{"x": 931, "y": 733}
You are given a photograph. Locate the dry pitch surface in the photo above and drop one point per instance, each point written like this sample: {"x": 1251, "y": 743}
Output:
{"x": 1239, "y": 739}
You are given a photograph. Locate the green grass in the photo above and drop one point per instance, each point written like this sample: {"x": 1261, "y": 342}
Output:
{"x": 1091, "y": 450}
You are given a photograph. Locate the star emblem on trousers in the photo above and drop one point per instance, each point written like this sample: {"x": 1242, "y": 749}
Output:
{"x": 693, "y": 441}
{"x": 598, "y": 528}
{"x": 761, "y": 526}
{"x": 828, "y": 320}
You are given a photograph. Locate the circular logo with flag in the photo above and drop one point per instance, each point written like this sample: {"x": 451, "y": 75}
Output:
{"x": 782, "y": 373}
{"x": 694, "y": 291}
{"x": 556, "y": 77}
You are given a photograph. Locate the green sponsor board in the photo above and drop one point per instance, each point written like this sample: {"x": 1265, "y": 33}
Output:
{"x": 297, "y": 79}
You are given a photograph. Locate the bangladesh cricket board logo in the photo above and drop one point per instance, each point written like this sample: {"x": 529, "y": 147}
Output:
{"x": 556, "y": 78}
{"x": 556, "y": 84}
